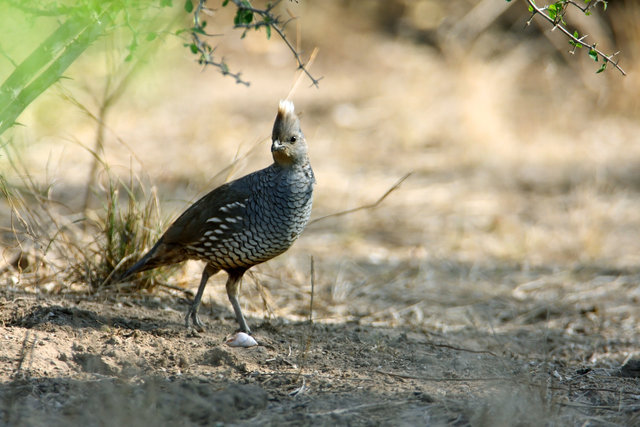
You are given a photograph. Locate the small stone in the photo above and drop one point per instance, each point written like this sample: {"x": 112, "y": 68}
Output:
{"x": 241, "y": 339}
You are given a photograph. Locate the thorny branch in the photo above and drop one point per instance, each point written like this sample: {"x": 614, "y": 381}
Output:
{"x": 205, "y": 50}
{"x": 556, "y": 17}
{"x": 267, "y": 20}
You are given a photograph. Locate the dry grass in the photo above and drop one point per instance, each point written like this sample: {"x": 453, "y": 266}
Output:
{"x": 516, "y": 233}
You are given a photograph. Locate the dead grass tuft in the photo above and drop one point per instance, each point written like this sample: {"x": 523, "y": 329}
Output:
{"x": 56, "y": 249}
{"x": 123, "y": 233}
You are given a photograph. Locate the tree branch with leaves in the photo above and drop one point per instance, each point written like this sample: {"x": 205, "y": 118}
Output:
{"x": 247, "y": 17}
{"x": 81, "y": 24}
{"x": 555, "y": 12}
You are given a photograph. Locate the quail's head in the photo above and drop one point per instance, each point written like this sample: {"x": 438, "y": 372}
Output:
{"x": 288, "y": 144}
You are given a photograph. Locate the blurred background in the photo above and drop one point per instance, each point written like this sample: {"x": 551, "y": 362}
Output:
{"x": 523, "y": 197}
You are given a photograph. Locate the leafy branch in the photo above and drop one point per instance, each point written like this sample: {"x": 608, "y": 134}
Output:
{"x": 44, "y": 66}
{"x": 555, "y": 13}
{"x": 247, "y": 17}
{"x": 202, "y": 48}
{"x": 80, "y": 24}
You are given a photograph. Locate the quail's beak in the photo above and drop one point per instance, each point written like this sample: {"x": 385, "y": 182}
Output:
{"x": 276, "y": 146}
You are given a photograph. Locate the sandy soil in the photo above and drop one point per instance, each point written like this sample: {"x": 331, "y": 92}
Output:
{"x": 499, "y": 285}
{"x": 130, "y": 361}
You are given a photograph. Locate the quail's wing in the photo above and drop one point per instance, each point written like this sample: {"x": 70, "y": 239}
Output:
{"x": 221, "y": 212}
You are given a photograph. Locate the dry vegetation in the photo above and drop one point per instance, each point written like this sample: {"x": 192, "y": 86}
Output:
{"x": 498, "y": 285}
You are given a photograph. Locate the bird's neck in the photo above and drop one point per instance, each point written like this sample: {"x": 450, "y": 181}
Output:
{"x": 289, "y": 164}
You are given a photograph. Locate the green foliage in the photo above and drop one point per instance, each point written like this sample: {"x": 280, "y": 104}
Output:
{"x": 80, "y": 24}
{"x": 244, "y": 14}
{"x": 554, "y": 13}
{"x": 602, "y": 67}
{"x": 576, "y": 36}
{"x": 555, "y": 10}
{"x": 246, "y": 17}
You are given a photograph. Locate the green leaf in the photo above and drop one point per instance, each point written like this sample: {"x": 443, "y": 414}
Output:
{"x": 574, "y": 43}
{"x": 530, "y": 8}
{"x": 166, "y": 3}
{"x": 243, "y": 17}
{"x": 151, "y": 36}
{"x": 193, "y": 47}
{"x": 269, "y": 30}
{"x": 188, "y": 6}
{"x": 602, "y": 68}
{"x": 593, "y": 54}
{"x": 225, "y": 2}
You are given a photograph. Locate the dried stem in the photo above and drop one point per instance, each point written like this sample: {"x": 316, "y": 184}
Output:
{"x": 369, "y": 206}
{"x": 313, "y": 285}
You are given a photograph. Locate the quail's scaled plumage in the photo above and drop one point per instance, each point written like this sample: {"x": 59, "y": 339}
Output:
{"x": 243, "y": 222}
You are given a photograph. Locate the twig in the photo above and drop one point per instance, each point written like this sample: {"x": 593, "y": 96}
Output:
{"x": 309, "y": 337}
{"x": 369, "y": 206}
{"x": 112, "y": 92}
{"x": 206, "y": 51}
{"x": 186, "y": 292}
{"x": 246, "y": 21}
{"x": 24, "y": 351}
{"x": 312, "y": 273}
{"x": 312, "y": 58}
{"x": 576, "y": 41}
{"x": 298, "y": 391}
{"x": 368, "y": 406}
{"x": 271, "y": 21}
{"x": 441, "y": 379}
{"x": 467, "y": 350}
{"x": 514, "y": 379}
{"x": 614, "y": 408}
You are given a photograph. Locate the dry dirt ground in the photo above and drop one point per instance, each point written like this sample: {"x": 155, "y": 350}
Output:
{"x": 130, "y": 361}
{"x": 498, "y": 285}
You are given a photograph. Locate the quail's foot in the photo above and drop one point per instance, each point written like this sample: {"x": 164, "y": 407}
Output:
{"x": 192, "y": 320}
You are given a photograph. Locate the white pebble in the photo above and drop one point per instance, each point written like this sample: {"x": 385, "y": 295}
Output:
{"x": 241, "y": 339}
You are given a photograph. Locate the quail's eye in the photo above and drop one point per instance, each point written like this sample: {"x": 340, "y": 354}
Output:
{"x": 293, "y": 139}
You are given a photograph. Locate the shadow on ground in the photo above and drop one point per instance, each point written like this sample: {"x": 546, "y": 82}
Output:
{"x": 82, "y": 362}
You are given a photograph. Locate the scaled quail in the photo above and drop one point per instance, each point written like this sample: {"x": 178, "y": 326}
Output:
{"x": 243, "y": 222}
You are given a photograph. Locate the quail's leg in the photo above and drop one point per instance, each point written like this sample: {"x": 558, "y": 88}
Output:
{"x": 233, "y": 289}
{"x": 192, "y": 314}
